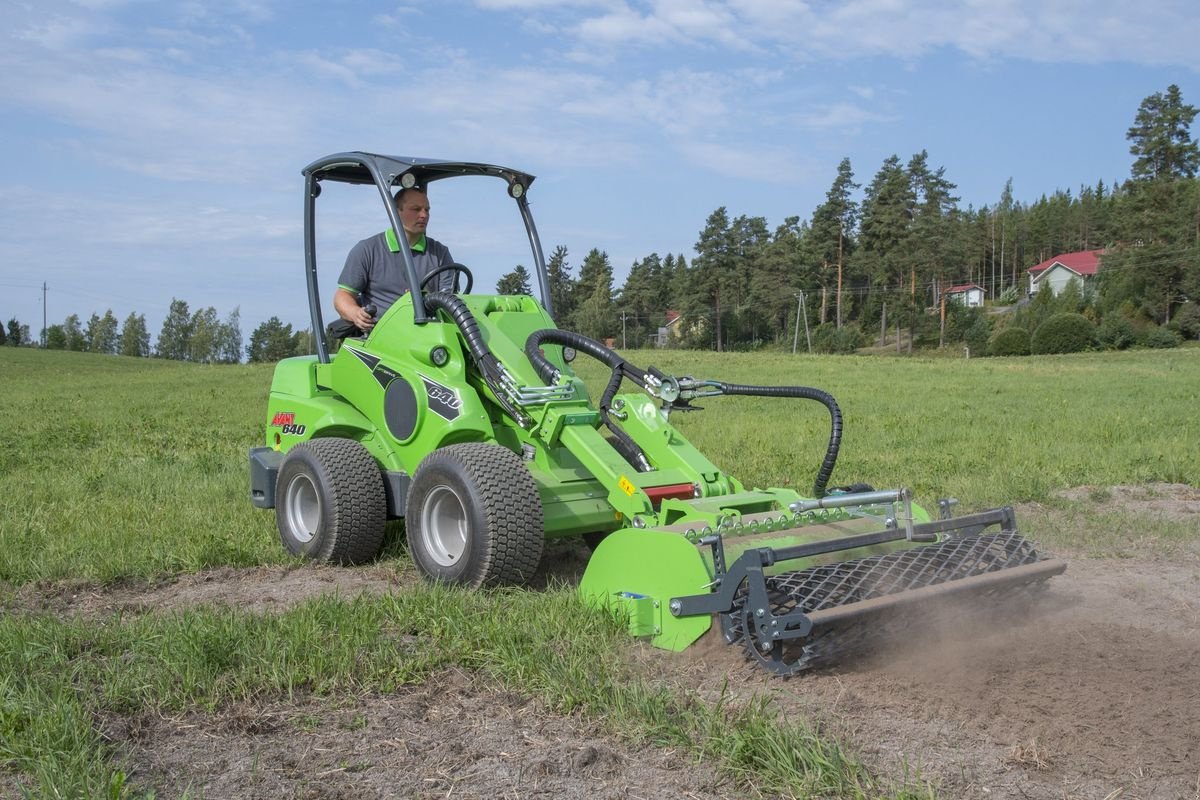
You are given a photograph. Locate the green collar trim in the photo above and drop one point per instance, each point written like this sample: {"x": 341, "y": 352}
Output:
{"x": 394, "y": 244}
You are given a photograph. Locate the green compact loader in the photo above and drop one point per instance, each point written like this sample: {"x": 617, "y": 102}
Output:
{"x": 460, "y": 413}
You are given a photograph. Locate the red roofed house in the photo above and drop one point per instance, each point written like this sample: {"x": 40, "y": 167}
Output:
{"x": 1056, "y": 272}
{"x": 969, "y": 294}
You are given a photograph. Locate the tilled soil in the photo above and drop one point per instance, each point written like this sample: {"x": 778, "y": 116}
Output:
{"x": 1094, "y": 692}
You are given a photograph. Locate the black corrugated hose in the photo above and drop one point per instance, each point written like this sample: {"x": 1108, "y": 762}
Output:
{"x": 806, "y": 393}
{"x": 487, "y": 363}
{"x": 622, "y": 368}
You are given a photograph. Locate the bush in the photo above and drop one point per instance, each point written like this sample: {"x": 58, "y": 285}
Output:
{"x": 1161, "y": 338}
{"x": 977, "y": 335}
{"x": 828, "y": 338}
{"x": 1187, "y": 319}
{"x": 1116, "y": 333}
{"x": 1063, "y": 333}
{"x": 1011, "y": 341}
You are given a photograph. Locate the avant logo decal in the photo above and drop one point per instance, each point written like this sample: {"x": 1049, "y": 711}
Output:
{"x": 286, "y": 420}
{"x": 443, "y": 400}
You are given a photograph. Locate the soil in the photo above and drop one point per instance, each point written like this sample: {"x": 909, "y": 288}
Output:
{"x": 1091, "y": 692}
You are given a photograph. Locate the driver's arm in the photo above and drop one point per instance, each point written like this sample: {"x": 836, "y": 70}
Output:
{"x": 346, "y": 304}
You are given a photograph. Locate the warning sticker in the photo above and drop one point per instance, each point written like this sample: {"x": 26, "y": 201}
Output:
{"x": 626, "y": 487}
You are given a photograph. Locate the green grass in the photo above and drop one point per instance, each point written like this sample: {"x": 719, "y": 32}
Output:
{"x": 61, "y": 674}
{"x": 114, "y": 469}
{"x": 986, "y": 431}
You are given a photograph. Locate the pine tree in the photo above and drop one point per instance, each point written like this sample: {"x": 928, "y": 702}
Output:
{"x": 271, "y": 341}
{"x": 514, "y": 282}
{"x": 832, "y": 234}
{"x": 595, "y": 316}
{"x": 562, "y": 285}
{"x": 1161, "y": 138}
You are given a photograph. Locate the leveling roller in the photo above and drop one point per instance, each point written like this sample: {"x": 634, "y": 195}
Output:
{"x": 460, "y": 413}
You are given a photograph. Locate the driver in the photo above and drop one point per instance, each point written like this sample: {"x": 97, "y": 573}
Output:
{"x": 374, "y": 271}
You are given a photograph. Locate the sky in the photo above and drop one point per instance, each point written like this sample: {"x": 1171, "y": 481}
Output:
{"x": 153, "y": 151}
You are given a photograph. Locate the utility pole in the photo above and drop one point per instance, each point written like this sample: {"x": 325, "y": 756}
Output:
{"x": 796, "y": 336}
{"x": 804, "y": 313}
{"x": 43, "y": 315}
{"x": 623, "y": 345}
{"x": 839, "y": 289}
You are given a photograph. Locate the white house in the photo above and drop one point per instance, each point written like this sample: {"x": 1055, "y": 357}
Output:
{"x": 1056, "y": 272}
{"x": 969, "y": 294}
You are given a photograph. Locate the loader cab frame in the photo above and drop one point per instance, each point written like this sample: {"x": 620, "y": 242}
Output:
{"x": 387, "y": 174}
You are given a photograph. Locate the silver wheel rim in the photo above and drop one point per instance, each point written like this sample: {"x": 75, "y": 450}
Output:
{"x": 444, "y": 526}
{"x": 303, "y": 505}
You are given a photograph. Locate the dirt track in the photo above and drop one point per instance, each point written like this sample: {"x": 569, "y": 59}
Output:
{"x": 1094, "y": 694}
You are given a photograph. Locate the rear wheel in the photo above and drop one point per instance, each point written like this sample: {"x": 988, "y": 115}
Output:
{"x": 330, "y": 502}
{"x": 474, "y": 516}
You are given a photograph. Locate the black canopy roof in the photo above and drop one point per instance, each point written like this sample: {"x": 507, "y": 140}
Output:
{"x": 356, "y": 167}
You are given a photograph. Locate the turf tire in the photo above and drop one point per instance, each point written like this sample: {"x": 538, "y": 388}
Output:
{"x": 330, "y": 503}
{"x": 474, "y": 517}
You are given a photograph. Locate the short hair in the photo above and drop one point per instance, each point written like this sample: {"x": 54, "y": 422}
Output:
{"x": 399, "y": 196}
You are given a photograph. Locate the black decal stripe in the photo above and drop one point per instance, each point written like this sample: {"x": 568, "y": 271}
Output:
{"x": 368, "y": 359}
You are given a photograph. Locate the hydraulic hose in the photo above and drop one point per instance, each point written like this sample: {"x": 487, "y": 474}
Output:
{"x": 805, "y": 393}
{"x": 621, "y": 369}
{"x": 582, "y": 344}
{"x": 486, "y": 361}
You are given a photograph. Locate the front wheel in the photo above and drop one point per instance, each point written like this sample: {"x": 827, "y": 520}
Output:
{"x": 474, "y": 517}
{"x": 330, "y": 502}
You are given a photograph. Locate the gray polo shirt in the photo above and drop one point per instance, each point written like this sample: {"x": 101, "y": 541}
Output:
{"x": 375, "y": 269}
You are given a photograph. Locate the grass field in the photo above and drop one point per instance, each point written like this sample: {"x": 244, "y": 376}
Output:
{"x": 116, "y": 469}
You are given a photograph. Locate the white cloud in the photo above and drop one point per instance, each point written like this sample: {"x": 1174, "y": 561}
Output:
{"x": 1157, "y": 32}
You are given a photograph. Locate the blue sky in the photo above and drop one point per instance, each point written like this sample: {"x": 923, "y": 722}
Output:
{"x": 153, "y": 150}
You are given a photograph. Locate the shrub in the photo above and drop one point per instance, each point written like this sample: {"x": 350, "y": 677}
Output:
{"x": 1161, "y": 338}
{"x": 1012, "y": 341}
{"x": 1116, "y": 333}
{"x": 1063, "y": 333}
{"x": 977, "y": 335}
{"x": 828, "y": 338}
{"x": 1187, "y": 319}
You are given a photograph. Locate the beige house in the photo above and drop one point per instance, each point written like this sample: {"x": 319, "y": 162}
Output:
{"x": 1057, "y": 272}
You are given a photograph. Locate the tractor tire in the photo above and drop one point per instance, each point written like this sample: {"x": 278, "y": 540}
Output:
{"x": 330, "y": 503}
{"x": 474, "y": 517}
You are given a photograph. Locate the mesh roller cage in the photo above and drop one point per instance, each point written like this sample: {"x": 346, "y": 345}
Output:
{"x": 851, "y": 604}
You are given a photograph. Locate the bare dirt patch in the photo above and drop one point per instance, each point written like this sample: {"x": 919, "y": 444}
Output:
{"x": 1094, "y": 692}
{"x": 447, "y": 738}
{"x": 1172, "y": 502}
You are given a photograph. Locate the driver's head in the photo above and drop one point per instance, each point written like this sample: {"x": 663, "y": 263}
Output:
{"x": 413, "y": 207}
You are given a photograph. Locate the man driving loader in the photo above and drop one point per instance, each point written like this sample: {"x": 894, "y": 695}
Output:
{"x": 374, "y": 271}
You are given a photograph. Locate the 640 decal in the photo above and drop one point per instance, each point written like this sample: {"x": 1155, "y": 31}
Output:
{"x": 286, "y": 422}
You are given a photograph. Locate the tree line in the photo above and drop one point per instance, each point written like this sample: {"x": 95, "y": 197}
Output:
{"x": 199, "y": 336}
{"x": 859, "y": 266}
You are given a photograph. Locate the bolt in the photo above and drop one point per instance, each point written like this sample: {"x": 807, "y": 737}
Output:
{"x": 676, "y": 607}
{"x": 759, "y": 612}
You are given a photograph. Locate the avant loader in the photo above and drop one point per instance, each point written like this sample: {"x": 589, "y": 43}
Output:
{"x": 460, "y": 414}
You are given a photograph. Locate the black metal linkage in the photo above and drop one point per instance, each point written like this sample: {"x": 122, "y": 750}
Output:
{"x": 722, "y": 600}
